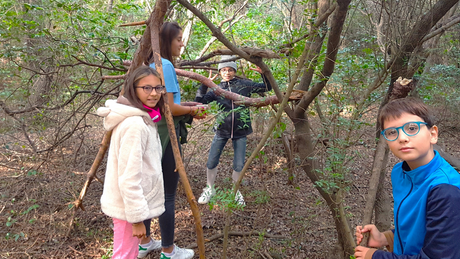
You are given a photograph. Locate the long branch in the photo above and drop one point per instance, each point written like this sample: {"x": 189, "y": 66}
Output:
{"x": 57, "y": 107}
{"x": 331, "y": 55}
{"x": 443, "y": 28}
{"x": 239, "y": 99}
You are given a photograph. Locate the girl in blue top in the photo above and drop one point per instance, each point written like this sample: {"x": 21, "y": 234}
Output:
{"x": 170, "y": 46}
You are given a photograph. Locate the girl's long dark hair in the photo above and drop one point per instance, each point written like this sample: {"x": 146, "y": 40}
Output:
{"x": 168, "y": 32}
{"x": 132, "y": 81}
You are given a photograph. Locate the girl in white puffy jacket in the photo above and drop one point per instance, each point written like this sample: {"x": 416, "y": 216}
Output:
{"x": 133, "y": 185}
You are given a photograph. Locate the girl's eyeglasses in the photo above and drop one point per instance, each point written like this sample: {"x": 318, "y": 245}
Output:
{"x": 159, "y": 89}
{"x": 410, "y": 129}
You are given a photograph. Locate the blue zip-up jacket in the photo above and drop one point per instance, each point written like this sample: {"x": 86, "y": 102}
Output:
{"x": 426, "y": 211}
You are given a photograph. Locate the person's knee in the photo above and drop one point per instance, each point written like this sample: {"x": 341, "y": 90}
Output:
{"x": 238, "y": 167}
{"x": 211, "y": 164}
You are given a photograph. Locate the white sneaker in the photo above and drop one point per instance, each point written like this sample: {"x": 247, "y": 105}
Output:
{"x": 206, "y": 195}
{"x": 239, "y": 198}
{"x": 154, "y": 245}
{"x": 179, "y": 253}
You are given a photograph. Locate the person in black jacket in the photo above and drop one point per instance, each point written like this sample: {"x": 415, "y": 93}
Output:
{"x": 233, "y": 122}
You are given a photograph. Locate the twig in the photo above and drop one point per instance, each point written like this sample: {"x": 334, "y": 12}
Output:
{"x": 241, "y": 234}
{"x": 99, "y": 66}
{"x": 133, "y": 24}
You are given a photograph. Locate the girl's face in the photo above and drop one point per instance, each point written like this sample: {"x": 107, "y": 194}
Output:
{"x": 176, "y": 45}
{"x": 148, "y": 99}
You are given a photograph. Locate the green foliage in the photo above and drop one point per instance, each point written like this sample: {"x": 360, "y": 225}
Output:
{"x": 33, "y": 207}
{"x": 439, "y": 85}
{"x": 225, "y": 199}
{"x": 261, "y": 197}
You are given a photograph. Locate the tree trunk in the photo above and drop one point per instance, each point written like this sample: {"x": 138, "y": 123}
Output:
{"x": 382, "y": 207}
{"x": 333, "y": 201}
{"x": 109, "y": 5}
{"x": 41, "y": 89}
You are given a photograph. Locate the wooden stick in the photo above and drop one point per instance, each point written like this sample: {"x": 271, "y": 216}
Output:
{"x": 133, "y": 24}
{"x": 155, "y": 23}
{"x": 92, "y": 172}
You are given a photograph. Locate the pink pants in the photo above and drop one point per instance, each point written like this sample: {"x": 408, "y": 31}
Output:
{"x": 125, "y": 246}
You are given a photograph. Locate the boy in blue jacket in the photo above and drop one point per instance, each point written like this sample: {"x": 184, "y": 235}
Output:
{"x": 425, "y": 190}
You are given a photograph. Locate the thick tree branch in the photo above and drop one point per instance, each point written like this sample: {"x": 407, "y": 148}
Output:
{"x": 453, "y": 21}
{"x": 239, "y": 99}
{"x": 426, "y": 22}
{"x": 211, "y": 41}
{"x": 254, "y": 59}
{"x": 133, "y": 24}
{"x": 331, "y": 55}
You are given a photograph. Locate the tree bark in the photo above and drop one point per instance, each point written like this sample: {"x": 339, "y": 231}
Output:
{"x": 331, "y": 55}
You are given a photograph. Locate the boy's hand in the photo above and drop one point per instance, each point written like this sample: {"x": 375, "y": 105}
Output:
{"x": 139, "y": 230}
{"x": 257, "y": 69}
{"x": 212, "y": 77}
{"x": 376, "y": 239}
{"x": 360, "y": 252}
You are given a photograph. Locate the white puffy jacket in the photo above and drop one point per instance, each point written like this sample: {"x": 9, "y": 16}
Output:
{"x": 133, "y": 185}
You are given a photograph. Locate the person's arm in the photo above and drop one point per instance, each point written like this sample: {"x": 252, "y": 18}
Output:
{"x": 442, "y": 226}
{"x": 202, "y": 94}
{"x": 260, "y": 87}
{"x": 171, "y": 85}
{"x": 178, "y": 110}
{"x": 203, "y": 97}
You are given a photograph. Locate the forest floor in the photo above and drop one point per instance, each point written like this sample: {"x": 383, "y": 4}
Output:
{"x": 290, "y": 220}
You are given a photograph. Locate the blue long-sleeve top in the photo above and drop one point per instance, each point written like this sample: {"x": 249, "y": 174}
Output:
{"x": 426, "y": 211}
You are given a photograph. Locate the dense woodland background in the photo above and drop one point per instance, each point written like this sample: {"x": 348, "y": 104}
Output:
{"x": 315, "y": 177}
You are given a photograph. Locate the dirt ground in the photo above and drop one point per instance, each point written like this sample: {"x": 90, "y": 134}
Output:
{"x": 290, "y": 221}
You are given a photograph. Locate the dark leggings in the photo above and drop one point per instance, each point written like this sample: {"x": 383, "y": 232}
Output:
{"x": 170, "y": 179}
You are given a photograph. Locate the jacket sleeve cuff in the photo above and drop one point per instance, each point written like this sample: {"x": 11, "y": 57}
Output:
{"x": 389, "y": 235}
{"x": 369, "y": 253}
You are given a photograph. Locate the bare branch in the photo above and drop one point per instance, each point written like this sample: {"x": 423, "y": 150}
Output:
{"x": 317, "y": 24}
{"x": 57, "y": 107}
{"x": 133, "y": 24}
{"x": 99, "y": 66}
{"x": 443, "y": 28}
{"x": 211, "y": 41}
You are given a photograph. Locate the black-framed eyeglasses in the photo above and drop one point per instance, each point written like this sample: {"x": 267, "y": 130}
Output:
{"x": 410, "y": 129}
{"x": 230, "y": 70}
{"x": 159, "y": 89}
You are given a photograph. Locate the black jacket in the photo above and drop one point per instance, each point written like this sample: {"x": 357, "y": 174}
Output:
{"x": 234, "y": 121}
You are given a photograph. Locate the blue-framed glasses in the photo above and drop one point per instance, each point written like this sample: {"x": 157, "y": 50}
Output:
{"x": 410, "y": 129}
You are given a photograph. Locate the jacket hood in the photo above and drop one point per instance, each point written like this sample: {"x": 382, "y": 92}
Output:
{"x": 116, "y": 111}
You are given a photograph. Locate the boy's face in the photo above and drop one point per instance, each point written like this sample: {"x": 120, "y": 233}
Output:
{"x": 227, "y": 73}
{"x": 415, "y": 150}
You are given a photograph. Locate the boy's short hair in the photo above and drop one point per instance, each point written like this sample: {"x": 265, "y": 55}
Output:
{"x": 394, "y": 109}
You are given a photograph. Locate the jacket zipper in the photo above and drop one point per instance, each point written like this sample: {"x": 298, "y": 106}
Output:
{"x": 397, "y": 213}
{"x": 233, "y": 114}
